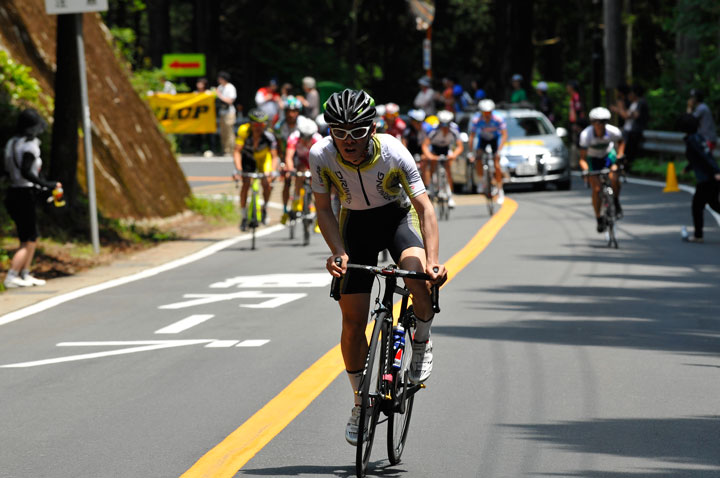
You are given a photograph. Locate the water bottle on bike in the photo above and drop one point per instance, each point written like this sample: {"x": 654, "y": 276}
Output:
{"x": 398, "y": 346}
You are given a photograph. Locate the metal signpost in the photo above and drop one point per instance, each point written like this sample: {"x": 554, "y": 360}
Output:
{"x": 77, "y": 8}
{"x": 424, "y": 12}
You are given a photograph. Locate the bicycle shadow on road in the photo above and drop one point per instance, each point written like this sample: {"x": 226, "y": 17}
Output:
{"x": 378, "y": 468}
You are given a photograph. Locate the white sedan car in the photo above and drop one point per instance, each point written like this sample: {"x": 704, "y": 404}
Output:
{"x": 534, "y": 153}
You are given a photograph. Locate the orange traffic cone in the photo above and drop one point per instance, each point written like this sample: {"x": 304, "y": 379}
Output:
{"x": 671, "y": 182}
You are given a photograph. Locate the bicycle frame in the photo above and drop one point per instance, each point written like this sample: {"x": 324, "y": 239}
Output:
{"x": 392, "y": 394}
{"x": 254, "y": 211}
{"x": 607, "y": 204}
{"x": 438, "y": 187}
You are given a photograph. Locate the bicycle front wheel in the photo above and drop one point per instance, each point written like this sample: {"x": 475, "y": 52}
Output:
{"x": 488, "y": 192}
{"x": 399, "y": 417}
{"x": 371, "y": 392}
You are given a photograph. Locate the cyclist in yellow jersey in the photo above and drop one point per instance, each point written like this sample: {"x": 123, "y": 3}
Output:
{"x": 255, "y": 151}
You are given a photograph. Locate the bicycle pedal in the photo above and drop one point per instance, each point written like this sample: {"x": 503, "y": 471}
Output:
{"x": 422, "y": 385}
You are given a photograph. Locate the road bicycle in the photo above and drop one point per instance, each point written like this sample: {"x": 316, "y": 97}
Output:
{"x": 254, "y": 215}
{"x": 439, "y": 189}
{"x": 608, "y": 210}
{"x": 385, "y": 387}
{"x": 488, "y": 167}
{"x": 302, "y": 210}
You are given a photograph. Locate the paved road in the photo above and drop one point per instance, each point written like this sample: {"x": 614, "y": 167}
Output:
{"x": 554, "y": 357}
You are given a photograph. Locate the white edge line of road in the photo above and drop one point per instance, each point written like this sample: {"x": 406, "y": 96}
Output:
{"x": 660, "y": 184}
{"x": 52, "y": 302}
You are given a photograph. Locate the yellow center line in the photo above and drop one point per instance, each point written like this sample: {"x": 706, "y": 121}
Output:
{"x": 230, "y": 455}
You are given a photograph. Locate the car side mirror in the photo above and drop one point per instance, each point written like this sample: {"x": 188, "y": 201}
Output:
{"x": 561, "y": 132}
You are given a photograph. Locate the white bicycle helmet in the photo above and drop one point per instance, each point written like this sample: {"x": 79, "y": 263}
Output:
{"x": 541, "y": 86}
{"x": 445, "y": 117}
{"x": 391, "y": 109}
{"x": 486, "y": 105}
{"x": 417, "y": 115}
{"x": 321, "y": 123}
{"x": 306, "y": 126}
{"x": 599, "y": 114}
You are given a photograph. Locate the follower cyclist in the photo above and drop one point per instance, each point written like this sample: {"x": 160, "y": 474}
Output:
{"x": 414, "y": 135}
{"x": 384, "y": 206}
{"x": 296, "y": 156}
{"x": 255, "y": 150}
{"x": 491, "y": 130}
{"x": 601, "y": 145}
{"x": 443, "y": 139}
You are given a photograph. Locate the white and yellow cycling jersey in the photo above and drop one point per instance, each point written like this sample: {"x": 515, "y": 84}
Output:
{"x": 390, "y": 175}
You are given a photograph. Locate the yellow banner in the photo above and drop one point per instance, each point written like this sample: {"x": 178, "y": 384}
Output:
{"x": 185, "y": 113}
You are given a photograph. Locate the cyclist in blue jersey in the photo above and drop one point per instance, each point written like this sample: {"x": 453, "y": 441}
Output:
{"x": 384, "y": 206}
{"x": 490, "y": 130}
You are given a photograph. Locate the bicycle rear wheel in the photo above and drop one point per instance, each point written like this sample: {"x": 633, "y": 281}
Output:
{"x": 399, "y": 416}
{"x": 488, "y": 191}
{"x": 610, "y": 222}
{"x": 371, "y": 393}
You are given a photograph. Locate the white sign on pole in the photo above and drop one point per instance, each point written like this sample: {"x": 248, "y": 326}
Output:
{"x": 58, "y": 7}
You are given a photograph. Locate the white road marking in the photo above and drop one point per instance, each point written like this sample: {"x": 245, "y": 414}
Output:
{"x": 321, "y": 279}
{"x": 274, "y": 300}
{"x": 252, "y": 343}
{"x": 49, "y": 303}
{"x": 221, "y": 343}
{"x": 135, "y": 346}
{"x": 144, "y": 346}
{"x": 184, "y": 324}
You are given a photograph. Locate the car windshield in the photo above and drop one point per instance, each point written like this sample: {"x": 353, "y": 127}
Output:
{"x": 526, "y": 126}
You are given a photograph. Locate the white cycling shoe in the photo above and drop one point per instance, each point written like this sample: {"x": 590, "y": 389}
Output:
{"x": 351, "y": 430}
{"x": 422, "y": 362}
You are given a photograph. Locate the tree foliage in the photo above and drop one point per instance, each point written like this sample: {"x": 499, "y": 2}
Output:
{"x": 375, "y": 45}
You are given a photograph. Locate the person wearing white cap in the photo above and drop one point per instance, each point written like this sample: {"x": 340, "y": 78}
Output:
{"x": 311, "y": 100}
{"x": 425, "y": 99}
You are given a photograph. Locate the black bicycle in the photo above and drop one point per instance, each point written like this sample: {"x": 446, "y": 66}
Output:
{"x": 439, "y": 189}
{"x": 488, "y": 168}
{"x": 302, "y": 208}
{"x": 385, "y": 387}
{"x": 608, "y": 210}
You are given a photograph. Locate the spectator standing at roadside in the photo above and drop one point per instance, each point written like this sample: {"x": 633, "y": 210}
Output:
{"x": 425, "y": 99}
{"x": 706, "y": 125}
{"x": 545, "y": 103}
{"x": 707, "y": 173}
{"x": 576, "y": 111}
{"x": 311, "y": 100}
{"x": 203, "y": 143}
{"x": 448, "y": 94}
{"x": 226, "y": 95}
{"x": 636, "y": 118}
{"x": 518, "y": 95}
{"x": 268, "y": 100}
{"x": 23, "y": 165}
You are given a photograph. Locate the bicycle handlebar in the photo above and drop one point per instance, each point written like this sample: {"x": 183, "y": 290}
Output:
{"x": 389, "y": 271}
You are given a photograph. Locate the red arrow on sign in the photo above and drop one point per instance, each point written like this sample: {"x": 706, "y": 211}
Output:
{"x": 177, "y": 64}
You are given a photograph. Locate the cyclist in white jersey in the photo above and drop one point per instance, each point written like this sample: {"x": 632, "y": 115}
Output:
{"x": 601, "y": 145}
{"x": 384, "y": 206}
{"x": 444, "y": 139}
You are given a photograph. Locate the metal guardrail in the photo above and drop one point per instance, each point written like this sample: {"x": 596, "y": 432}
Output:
{"x": 667, "y": 143}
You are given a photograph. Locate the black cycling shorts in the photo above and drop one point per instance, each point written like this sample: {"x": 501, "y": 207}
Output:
{"x": 20, "y": 204}
{"x": 368, "y": 232}
{"x": 482, "y": 144}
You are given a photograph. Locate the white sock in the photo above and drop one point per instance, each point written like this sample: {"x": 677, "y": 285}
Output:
{"x": 24, "y": 273}
{"x": 422, "y": 329}
{"x": 355, "y": 378}
{"x": 11, "y": 274}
